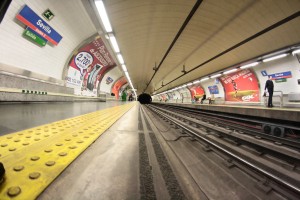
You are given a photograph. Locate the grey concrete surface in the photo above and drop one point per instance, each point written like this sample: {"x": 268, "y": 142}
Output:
{"x": 108, "y": 169}
{"x": 19, "y": 116}
{"x": 23, "y": 83}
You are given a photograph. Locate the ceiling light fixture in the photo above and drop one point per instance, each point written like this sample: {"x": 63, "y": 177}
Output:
{"x": 103, "y": 15}
{"x": 229, "y": 71}
{"x": 124, "y": 67}
{"x": 204, "y": 79}
{"x": 114, "y": 43}
{"x": 249, "y": 65}
{"x": 275, "y": 57}
{"x": 120, "y": 58}
{"x": 296, "y": 51}
{"x": 216, "y": 75}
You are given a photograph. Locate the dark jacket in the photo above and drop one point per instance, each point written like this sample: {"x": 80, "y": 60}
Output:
{"x": 269, "y": 86}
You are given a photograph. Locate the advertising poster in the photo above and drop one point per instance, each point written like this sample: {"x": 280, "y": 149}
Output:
{"x": 213, "y": 89}
{"x": 88, "y": 66}
{"x": 196, "y": 91}
{"x": 241, "y": 86}
{"x": 164, "y": 97}
{"x": 117, "y": 86}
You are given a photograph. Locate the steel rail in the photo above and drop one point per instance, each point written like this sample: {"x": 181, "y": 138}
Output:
{"x": 236, "y": 157}
{"x": 288, "y": 142}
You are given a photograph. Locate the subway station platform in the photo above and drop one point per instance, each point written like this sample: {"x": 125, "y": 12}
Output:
{"x": 109, "y": 150}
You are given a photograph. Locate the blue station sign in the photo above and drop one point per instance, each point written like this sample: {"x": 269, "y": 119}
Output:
{"x": 280, "y": 75}
{"x": 33, "y": 21}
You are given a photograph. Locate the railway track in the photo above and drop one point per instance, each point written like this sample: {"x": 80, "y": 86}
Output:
{"x": 276, "y": 167}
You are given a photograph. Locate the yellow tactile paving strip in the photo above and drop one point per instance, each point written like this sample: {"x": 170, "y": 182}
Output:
{"x": 33, "y": 158}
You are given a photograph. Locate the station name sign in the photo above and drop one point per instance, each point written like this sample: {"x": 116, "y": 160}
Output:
{"x": 33, "y": 21}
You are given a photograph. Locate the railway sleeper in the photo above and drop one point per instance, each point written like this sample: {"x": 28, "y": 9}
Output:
{"x": 265, "y": 186}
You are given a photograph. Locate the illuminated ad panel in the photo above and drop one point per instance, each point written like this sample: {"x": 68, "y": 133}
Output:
{"x": 117, "y": 86}
{"x": 88, "y": 66}
{"x": 196, "y": 91}
{"x": 241, "y": 86}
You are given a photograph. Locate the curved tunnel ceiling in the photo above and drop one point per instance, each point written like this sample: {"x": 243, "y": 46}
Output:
{"x": 145, "y": 30}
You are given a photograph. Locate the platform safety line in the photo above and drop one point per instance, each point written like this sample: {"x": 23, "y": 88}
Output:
{"x": 19, "y": 140}
{"x": 30, "y": 171}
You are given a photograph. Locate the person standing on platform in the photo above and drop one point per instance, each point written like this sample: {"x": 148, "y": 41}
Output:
{"x": 270, "y": 88}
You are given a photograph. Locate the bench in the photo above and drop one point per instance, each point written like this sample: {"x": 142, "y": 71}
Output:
{"x": 209, "y": 100}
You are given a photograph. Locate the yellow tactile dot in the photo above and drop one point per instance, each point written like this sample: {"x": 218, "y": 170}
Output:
{"x": 3, "y": 145}
{"x": 74, "y": 135}
{"x": 73, "y": 147}
{"x": 86, "y": 136}
{"x": 25, "y": 143}
{"x": 20, "y": 134}
{"x": 46, "y": 135}
{"x": 12, "y": 149}
{"x": 50, "y": 163}
{"x": 37, "y": 139}
{"x": 48, "y": 150}
{"x": 16, "y": 140}
{"x": 59, "y": 144}
{"x": 34, "y": 175}
{"x": 14, "y": 191}
{"x": 79, "y": 141}
{"x": 9, "y": 137}
{"x": 18, "y": 168}
{"x": 28, "y": 136}
{"x": 38, "y": 133}
{"x": 67, "y": 139}
{"x": 62, "y": 154}
{"x": 35, "y": 158}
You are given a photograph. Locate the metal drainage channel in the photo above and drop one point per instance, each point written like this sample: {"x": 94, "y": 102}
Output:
{"x": 237, "y": 158}
{"x": 33, "y": 158}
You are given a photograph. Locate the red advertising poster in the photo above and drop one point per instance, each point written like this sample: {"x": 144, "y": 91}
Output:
{"x": 196, "y": 91}
{"x": 118, "y": 84}
{"x": 241, "y": 86}
{"x": 88, "y": 66}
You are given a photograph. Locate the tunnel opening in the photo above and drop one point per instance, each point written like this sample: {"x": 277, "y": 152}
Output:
{"x": 144, "y": 98}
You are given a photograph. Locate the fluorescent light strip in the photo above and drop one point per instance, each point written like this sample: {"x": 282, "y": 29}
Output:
{"x": 124, "y": 67}
{"x": 195, "y": 82}
{"x": 216, "y": 75}
{"x": 120, "y": 58}
{"x": 189, "y": 84}
{"x": 229, "y": 71}
{"x": 114, "y": 43}
{"x": 103, "y": 15}
{"x": 275, "y": 57}
{"x": 204, "y": 79}
{"x": 296, "y": 51}
{"x": 249, "y": 65}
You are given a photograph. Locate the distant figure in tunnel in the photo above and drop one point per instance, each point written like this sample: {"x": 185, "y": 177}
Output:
{"x": 270, "y": 88}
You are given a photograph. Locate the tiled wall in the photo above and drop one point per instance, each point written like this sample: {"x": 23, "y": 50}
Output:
{"x": 16, "y": 51}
